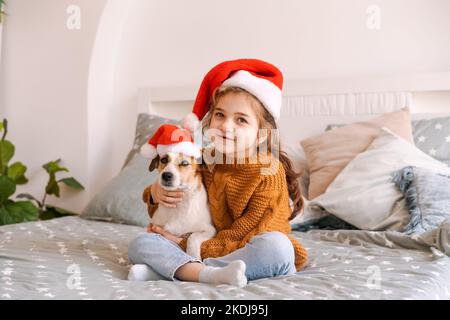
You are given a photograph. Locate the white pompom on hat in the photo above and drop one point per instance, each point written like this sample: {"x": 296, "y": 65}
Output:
{"x": 191, "y": 122}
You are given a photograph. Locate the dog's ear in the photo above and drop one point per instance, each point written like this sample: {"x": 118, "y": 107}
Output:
{"x": 154, "y": 164}
{"x": 201, "y": 165}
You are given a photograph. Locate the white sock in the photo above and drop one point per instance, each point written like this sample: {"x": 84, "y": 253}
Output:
{"x": 233, "y": 274}
{"x": 142, "y": 272}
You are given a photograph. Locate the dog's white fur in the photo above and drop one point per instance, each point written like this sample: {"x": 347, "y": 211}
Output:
{"x": 192, "y": 214}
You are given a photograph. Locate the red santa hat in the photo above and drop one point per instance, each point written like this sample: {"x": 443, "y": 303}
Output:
{"x": 260, "y": 78}
{"x": 170, "y": 138}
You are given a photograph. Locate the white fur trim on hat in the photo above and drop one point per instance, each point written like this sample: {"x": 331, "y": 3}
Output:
{"x": 265, "y": 90}
{"x": 148, "y": 151}
{"x": 191, "y": 122}
{"x": 186, "y": 147}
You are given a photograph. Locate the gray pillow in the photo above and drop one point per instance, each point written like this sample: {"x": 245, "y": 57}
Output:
{"x": 427, "y": 195}
{"x": 121, "y": 200}
{"x": 146, "y": 126}
{"x": 432, "y": 136}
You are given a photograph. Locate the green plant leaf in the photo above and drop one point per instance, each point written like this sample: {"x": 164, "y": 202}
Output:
{"x": 53, "y": 167}
{"x": 22, "y": 210}
{"x": 54, "y": 212}
{"x": 7, "y": 188}
{"x": 27, "y": 196}
{"x": 4, "y": 126}
{"x": 6, "y": 152}
{"x": 47, "y": 214}
{"x": 5, "y": 217}
{"x": 2, "y": 12}
{"x": 52, "y": 187}
{"x": 22, "y": 180}
{"x": 16, "y": 172}
{"x": 72, "y": 182}
{"x": 1, "y": 126}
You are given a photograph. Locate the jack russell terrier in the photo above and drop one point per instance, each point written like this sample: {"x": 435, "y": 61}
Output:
{"x": 180, "y": 170}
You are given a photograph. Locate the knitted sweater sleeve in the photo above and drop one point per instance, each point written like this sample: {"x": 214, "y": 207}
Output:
{"x": 244, "y": 227}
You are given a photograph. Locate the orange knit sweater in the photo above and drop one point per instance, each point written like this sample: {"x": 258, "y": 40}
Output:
{"x": 244, "y": 203}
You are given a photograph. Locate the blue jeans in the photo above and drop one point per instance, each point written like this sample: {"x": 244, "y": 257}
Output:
{"x": 267, "y": 255}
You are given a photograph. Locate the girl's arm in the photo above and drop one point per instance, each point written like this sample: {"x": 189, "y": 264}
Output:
{"x": 155, "y": 194}
{"x": 157, "y": 229}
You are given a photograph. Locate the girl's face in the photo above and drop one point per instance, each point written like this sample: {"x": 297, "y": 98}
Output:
{"x": 234, "y": 124}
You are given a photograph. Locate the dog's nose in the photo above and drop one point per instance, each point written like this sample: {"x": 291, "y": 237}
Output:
{"x": 167, "y": 176}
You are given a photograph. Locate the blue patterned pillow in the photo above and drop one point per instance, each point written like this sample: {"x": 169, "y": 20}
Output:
{"x": 432, "y": 136}
{"x": 427, "y": 195}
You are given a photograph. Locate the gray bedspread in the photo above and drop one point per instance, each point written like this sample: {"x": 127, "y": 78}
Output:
{"x": 74, "y": 258}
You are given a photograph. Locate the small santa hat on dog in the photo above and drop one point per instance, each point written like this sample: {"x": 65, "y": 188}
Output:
{"x": 170, "y": 138}
{"x": 260, "y": 78}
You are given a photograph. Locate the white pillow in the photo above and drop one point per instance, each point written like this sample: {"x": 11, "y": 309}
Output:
{"x": 297, "y": 156}
{"x": 364, "y": 194}
{"x": 308, "y": 215}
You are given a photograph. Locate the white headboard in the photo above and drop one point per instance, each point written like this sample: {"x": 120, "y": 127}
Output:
{"x": 310, "y": 105}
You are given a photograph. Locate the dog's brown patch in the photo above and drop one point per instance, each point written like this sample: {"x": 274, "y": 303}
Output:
{"x": 189, "y": 173}
{"x": 154, "y": 164}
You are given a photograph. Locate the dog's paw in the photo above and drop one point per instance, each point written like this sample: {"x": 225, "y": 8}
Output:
{"x": 193, "y": 248}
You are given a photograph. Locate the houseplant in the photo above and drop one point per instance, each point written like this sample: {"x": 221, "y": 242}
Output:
{"x": 11, "y": 175}
{"x": 2, "y": 13}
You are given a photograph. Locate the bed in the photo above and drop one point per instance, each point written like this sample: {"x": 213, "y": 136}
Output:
{"x": 77, "y": 258}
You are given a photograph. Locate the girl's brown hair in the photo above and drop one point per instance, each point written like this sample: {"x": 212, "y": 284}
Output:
{"x": 266, "y": 121}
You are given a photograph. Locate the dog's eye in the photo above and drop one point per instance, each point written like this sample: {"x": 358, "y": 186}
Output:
{"x": 164, "y": 160}
{"x": 184, "y": 163}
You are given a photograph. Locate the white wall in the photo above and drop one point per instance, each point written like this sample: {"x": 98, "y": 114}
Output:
{"x": 43, "y": 89}
{"x": 175, "y": 42}
{"x": 88, "y": 84}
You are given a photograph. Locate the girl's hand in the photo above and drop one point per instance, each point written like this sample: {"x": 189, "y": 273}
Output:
{"x": 157, "y": 229}
{"x": 164, "y": 197}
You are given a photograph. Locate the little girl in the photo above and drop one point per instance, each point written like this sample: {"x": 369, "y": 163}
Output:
{"x": 239, "y": 101}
